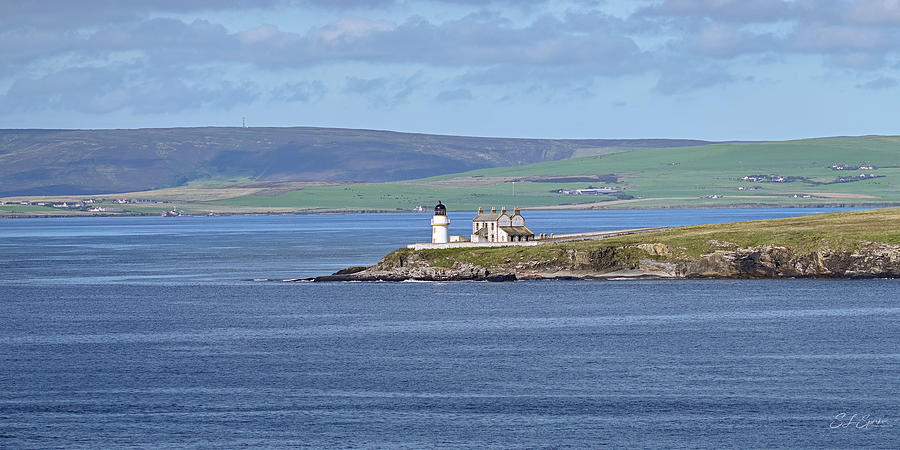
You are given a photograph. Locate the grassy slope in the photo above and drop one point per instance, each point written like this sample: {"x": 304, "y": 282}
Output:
{"x": 91, "y": 162}
{"x": 835, "y": 231}
{"x": 389, "y": 196}
{"x": 710, "y": 169}
{"x": 658, "y": 177}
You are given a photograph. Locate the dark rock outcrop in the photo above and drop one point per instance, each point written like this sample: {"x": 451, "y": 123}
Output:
{"x": 351, "y": 270}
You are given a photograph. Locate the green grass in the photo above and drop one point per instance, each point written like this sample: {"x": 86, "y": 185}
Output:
{"x": 38, "y": 211}
{"x": 212, "y": 182}
{"x": 844, "y": 231}
{"x": 27, "y": 208}
{"x": 716, "y": 168}
{"x": 808, "y": 154}
{"x": 835, "y": 231}
{"x": 390, "y": 196}
{"x": 665, "y": 177}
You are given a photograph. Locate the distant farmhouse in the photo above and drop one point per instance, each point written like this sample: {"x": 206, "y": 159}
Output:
{"x": 588, "y": 191}
{"x": 849, "y": 167}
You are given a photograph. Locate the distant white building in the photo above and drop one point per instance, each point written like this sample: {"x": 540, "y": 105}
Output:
{"x": 589, "y": 191}
{"x": 500, "y": 227}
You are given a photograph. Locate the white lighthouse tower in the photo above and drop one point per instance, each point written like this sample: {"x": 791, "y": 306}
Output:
{"x": 440, "y": 225}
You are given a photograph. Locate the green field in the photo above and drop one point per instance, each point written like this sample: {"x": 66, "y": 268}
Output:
{"x": 16, "y": 210}
{"x": 26, "y": 209}
{"x": 673, "y": 177}
{"x": 700, "y": 177}
{"x": 39, "y": 211}
{"x": 404, "y": 196}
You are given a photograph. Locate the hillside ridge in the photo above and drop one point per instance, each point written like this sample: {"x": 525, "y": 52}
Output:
{"x": 75, "y": 162}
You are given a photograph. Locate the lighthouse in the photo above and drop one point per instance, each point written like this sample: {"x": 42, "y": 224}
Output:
{"x": 440, "y": 225}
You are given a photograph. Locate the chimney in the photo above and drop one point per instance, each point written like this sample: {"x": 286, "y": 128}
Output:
{"x": 493, "y": 209}
{"x": 516, "y": 211}
{"x": 503, "y": 210}
{"x": 480, "y": 210}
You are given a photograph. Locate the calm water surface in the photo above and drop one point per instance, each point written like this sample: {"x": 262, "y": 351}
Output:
{"x": 144, "y": 332}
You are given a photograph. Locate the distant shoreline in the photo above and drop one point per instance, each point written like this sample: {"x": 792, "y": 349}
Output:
{"x": 4, "y": 215}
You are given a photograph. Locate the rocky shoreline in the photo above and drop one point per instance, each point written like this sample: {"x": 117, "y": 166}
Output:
{"x": 649, "y": 260}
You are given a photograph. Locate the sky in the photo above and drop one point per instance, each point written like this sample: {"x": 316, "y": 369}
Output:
{"x": 704, "y": 69}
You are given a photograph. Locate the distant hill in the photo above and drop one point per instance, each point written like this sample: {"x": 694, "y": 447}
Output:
{"x": 59, "y": 162}
{"x": 857, "y": 171}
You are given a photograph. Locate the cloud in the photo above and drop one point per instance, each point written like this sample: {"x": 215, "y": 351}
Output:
{"x": 877, "y": 12}
{"x": 743, "y": 11}
{"x": 85, "y": 13}
{"x": 483, "y": 40}
{"x": 27, "y": 45}
{"x": 474, "y": 40}
{"x": 879, "y": 84}
{"x": 453, "y": 95}
{"x": 722, "y": 41}
{"x": 303, "y": 92}
{"x": 823, "y": 38}
{"x": 384, "y": 92}
{"x": 690, "y": 79}
{"x": 106, "y": 90}
{"x": 143, "y": 51}
{"x": 364, "y": 86}
{"x": 163, "y": 40}
{"x": 856, "y": 60}
{"x": 840, "y": 31}
{"x": 68, "y": 89}
{"x": 348, "y": 30}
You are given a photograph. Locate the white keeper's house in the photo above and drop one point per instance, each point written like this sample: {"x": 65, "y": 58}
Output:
{"x": 500, "y": 227}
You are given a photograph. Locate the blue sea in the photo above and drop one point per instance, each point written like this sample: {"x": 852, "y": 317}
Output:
{"x": 175, "y": 332}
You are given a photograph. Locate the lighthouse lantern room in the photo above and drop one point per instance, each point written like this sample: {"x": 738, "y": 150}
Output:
{"x": 440, "y": 225}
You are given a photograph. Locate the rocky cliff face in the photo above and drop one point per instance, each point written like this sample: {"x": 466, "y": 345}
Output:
{"x": 872, "y": 260}
{"x": 645, "y": 260}
{"x": 399, "y": 266}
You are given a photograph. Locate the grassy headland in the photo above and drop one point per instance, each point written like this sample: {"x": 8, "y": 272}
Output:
{"x": 856, "y": 244}
{"x": 843, "y": 231}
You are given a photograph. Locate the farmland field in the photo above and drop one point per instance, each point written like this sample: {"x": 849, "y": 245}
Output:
{"x": 791, "y": 173}
{"x": 646, "y": 178}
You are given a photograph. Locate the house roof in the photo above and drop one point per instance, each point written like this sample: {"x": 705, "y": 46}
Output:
{"x": 518, "y": 231}
{"x": 488, "y": 217}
